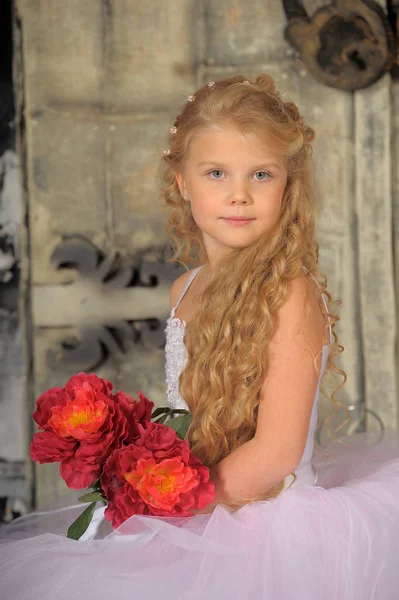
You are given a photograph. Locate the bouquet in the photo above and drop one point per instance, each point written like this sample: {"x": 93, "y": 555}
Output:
{"x": 133, "y": 459}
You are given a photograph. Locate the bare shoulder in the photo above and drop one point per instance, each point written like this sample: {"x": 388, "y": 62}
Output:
{"x": 177, "y": 287}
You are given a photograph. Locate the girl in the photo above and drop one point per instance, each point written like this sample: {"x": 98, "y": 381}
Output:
{"x": 248, "y": 341}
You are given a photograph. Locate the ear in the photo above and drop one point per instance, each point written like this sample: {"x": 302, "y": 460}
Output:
{"x": 181, "y": 184}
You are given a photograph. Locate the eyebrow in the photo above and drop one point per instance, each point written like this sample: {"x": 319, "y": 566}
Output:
{"x": 216, "y": 162}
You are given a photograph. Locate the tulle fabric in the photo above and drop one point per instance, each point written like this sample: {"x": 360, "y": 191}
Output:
{"x": 338, "y": 540}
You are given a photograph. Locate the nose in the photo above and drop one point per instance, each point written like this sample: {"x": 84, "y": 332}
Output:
{"x": 239, "y": 200}
{"x": 240, "y": 194}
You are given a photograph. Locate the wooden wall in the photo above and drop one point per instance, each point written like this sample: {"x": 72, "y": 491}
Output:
{"x": 98, "y": 85}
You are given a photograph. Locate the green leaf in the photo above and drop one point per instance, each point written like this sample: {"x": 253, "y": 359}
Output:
{"x": 161, "y": 419}
{"x": 160, "y": 411}
{"x": 79, "y": 526}
{"x": 91, "y": 497}
{"x": 180, "y": 425}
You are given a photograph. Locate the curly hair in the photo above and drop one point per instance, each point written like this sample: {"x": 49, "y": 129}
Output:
{"x": 236, "y": 315}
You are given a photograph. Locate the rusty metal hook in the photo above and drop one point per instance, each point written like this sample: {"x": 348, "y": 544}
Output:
{"x": 348, "y": 44}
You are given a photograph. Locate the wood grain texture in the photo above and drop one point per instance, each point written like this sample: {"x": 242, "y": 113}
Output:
{"x": 395, "y": 221}
{"x": 120, "y": 56}
{"x": 240, "y": 34}
{"x": 373, "y": 127}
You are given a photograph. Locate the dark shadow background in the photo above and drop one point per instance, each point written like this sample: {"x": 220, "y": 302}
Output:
{"x": 11, "y": 478}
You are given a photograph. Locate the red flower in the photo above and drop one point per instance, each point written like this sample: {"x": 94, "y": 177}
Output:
{"x": 157, "y": 475}
{"x": 79, "y": 474}
{"x": 98, "y": 384}
{"x": 135, "y": 412}
{"x": 160, "y": 484}
{"x": 82, "y": 424}
{"x": 44, "y": 404}
{"x": 47, "y": 447}
{"x": 163, "y": 442}
{"x": 80, "y": 418}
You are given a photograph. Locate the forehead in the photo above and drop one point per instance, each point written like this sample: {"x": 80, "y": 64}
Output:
{"x": 224, "y": 141}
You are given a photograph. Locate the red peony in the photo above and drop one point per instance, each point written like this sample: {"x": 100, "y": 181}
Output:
{"x": 163, "y": 441}
{"x": 78, "y": 472}
{"x": 136, "y": 413}
{"x": 108, "y": 442}
{"x": 98, "y": 384}
{"x": 44, "y": 404}
{"x": 80, "y": 418}
{"x": 160, "y": 484}
{"x": 47, "y": 447}
{"x": 82, "y": 426}
{"x": 156, "y": 475}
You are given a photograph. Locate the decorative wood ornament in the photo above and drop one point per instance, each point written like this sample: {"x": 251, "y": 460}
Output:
{"x": 348, "y": 44}
{"x": 110, "y": 304}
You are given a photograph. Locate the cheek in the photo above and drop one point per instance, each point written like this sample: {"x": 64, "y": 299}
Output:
{"x": 276, "y": 197}
{"x": 271, "y": 203}
{"x": 204, "y": 203}
{"x": 201, "y": 210}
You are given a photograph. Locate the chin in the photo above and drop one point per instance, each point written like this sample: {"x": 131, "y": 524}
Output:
{"x": 239, "y": 245}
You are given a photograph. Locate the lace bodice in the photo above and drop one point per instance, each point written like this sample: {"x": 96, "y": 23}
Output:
{"x": 175, "y": 360}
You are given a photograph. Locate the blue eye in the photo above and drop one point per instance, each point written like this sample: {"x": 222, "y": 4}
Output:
{"x": 218, "y": 174}
{"x": 216, "y": 171}
{"x": 265, "y": 173}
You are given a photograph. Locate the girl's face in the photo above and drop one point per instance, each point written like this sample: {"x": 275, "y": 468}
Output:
{"x": 229, "y": 174}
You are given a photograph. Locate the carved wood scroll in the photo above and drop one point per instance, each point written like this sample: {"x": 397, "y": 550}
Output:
{"x": 111, "y": 304}
{"x": 348, "y": 44}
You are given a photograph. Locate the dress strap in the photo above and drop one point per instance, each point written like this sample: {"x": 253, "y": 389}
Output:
{"x": 324, "y": 302}
{"x": 187, "y": 285}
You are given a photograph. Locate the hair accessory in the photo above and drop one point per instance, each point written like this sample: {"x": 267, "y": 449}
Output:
{"x": 166, "y": 152}
{"x": 173, "y": 130}
{"x": 247, "y": 82}
{"x": 211, "y": 83}
{"x": 191, "y": 97}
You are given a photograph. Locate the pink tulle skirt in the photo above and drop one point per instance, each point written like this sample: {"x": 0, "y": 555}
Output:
{"x": 338, "y": 540}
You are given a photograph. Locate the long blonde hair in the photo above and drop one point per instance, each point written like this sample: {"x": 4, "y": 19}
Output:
{"x": 236, "y": 314}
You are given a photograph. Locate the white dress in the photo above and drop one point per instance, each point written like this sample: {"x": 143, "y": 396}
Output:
{"x": 333, "y": 535}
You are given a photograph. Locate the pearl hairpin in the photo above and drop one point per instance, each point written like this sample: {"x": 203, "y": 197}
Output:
{"x": 191, "y": 98}
{"x": 166, "y": 152}
{"x": 211, "y": 83}
{"x": 173, "y": 130}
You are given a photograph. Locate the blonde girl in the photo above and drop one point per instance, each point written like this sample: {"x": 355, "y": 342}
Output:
{"x": 257, "y": 324}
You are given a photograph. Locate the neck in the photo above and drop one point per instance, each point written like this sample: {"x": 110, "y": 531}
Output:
{"x": 211, "y": 263}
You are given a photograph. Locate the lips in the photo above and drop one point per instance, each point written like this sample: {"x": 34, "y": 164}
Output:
{"x": 238, "y": 218}
{"x": 237, "y": 221}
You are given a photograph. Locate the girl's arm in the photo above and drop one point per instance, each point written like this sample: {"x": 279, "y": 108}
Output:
{"x": 286, "y": 402}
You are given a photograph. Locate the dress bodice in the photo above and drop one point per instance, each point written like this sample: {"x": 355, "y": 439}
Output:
{"x": 175, "y": 360}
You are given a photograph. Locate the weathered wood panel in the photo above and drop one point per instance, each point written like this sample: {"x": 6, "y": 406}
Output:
{"x": 122, "y": 56}
{"x": 373, "y": 128}
{"x": 67, "y": 192}
{"x": 395, "y": 221}
{"x": 239, "y": 34}
{"x": 133, "y": 166}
